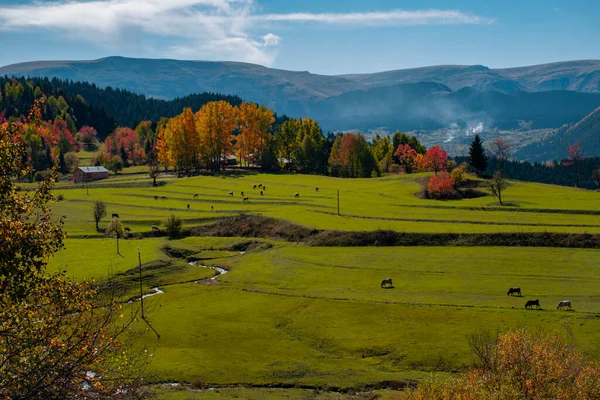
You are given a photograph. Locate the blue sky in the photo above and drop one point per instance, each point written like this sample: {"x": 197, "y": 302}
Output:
{"x": 320, "y": 36}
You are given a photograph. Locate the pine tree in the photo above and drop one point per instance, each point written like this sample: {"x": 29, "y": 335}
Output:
{"x": 477, "y": 157}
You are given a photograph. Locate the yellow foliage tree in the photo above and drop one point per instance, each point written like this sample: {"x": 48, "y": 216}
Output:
{"x": 254, "y": 124}
{"x": 215, "y": 123}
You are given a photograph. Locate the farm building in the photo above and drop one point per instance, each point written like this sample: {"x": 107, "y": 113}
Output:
{"x": 229, "y": 160}
{"x": 88, "y": 174}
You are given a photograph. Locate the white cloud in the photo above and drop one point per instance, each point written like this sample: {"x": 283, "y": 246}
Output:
{"x": 208, "y": 29}
{"x": 393, "y": 17}
{"x": 271, "y": 39}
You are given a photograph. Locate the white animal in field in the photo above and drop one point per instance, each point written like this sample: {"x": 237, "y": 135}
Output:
{"x": 563, "y": 304}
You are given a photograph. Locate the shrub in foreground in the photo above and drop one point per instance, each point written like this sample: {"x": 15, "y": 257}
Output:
{"x": 173, "y": 225}
{"x": 520, "y": 365}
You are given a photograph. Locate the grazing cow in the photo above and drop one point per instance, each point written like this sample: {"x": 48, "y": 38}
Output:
{"x": 155, "y": 197}
{"x": 188, "y": 207}
{"x": 316, "y": 189}
{"x": 297, "y": 195}
{"x": 514, "y": 290}
{"x": 563, "y": 304}
{"x": 260, "y": 186}
{"x": 163, "y": 197}
{"x": 531, "y": 303}
{"x": 231, "y": 193}
{"x": 387, "y": 282}
{"x": 212, "y": 208}
{"x": 254, "y": 187}
{"x": 115, "y": 215}
{"x": 128, "y": 230}
{"x": 264, "y": 188}
{"x": 196, "y": 196}
{"x": 155, "y": 228}
{"x": 261, "y": 192}
{"x": 246, "y": 199}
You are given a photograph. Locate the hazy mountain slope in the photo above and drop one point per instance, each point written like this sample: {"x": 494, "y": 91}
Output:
{"x": 455, "y": 77}
{"x": 406, "y": 99}
{"x": 586, "y": 132}
{"x": 580, "y": 76}
{"x": 173, "y": 78}
{"x": 432, "y": 105}
{"x": 287, "y": 91}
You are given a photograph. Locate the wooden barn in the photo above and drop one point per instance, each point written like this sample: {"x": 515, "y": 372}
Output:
{"x": 88, "y": 174}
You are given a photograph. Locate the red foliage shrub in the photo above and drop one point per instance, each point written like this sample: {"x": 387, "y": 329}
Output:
{"x": 441, "y": 186}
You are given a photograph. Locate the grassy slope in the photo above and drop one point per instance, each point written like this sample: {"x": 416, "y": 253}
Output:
{"x": 290, "y": 315}
{"x": 388, "y": 203}
{"x": 295, "y": 314}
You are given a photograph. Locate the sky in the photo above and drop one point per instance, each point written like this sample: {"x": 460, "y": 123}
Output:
{"x": 320, "y": 36}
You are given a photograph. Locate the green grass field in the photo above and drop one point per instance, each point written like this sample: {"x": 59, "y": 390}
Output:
{"x": 290, "y": 314}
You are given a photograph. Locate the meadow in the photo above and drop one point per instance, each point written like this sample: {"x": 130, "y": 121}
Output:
{"x": 288, "y": 314}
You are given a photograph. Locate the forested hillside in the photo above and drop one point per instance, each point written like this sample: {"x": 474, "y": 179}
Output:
{"x": 88, "y": 104}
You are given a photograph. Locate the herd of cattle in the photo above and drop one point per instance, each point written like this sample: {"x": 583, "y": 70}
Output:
{"x": 245, "y": 198}
{"x": 387, "y": 284}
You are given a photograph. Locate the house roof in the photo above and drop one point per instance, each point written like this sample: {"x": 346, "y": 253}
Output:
{"x": 89, "y": 170}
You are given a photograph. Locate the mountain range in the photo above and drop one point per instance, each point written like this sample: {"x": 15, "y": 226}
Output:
{"x": 549, "y": 95}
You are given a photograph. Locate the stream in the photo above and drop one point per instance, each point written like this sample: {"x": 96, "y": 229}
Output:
{"x": 220, "y": 271}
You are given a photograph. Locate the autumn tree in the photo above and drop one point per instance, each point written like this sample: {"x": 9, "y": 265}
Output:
{"x": 502, "y": 150}
{"x": 407, "y": 157}
{"x": 56, "y": 342}
{"x": 497, "y": 185}
{"x": 520, "y": 364}
{"x": 402, "y": 138}
{"x": 575, "y": 158}
{"x": 99, "y": 212}
{"x": 436, "y": 159}
{"x": 254, "y": 125}
{"x": 87, "y": 135}
{"x": 215, "y": 123}
{"x": 477, "y": 157}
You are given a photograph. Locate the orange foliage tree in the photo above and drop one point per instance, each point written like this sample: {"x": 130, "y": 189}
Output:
{"x": 521, "y": 364}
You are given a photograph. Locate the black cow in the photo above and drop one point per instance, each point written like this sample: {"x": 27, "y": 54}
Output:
{"x": 531, "y": 303}
{"x": 387, "y": 282}
{"x": 514, "y": 290}
{"x": 115, "y": 215}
